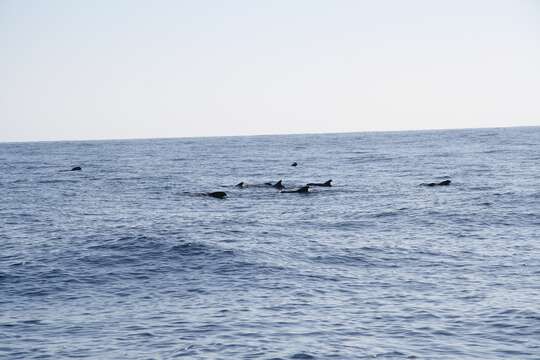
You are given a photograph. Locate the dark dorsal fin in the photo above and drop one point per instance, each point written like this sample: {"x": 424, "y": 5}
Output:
{"x": 76, "y": 168}
{"x": 278, "y": 185}
{"x": 328, "y": 183}
{"x": 240, "y": 184}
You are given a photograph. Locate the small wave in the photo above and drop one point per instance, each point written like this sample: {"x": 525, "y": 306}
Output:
{"x": 303, "y": 356}
{"x": 58, "y": 181}
{"x": 386, "y": 214}
{"x": 144, "y": 250}
{"x": 189, "y": 249}
{"x": 482, "y": 188}
{"x": 347, "y": 225}
{"x": 127, "y": 178}
{"x": 496, "y": 151}
{"x": 341, "y": 260}
{"x": 371, "y": 159}
{"x": 128, "y": 243}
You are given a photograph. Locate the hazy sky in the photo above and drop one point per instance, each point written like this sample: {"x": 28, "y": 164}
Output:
{"x": 131, "y": 69}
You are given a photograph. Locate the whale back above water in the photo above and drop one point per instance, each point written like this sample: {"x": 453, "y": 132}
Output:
{"x": 217, "y": 194}
{"x": 304, "y": 189}
{"x": 326, "y": 183}
{"x": 442, "y": 183}
{"x": 75, "y": 168}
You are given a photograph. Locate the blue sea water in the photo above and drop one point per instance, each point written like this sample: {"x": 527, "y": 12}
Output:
{"x": 126, "y": 260}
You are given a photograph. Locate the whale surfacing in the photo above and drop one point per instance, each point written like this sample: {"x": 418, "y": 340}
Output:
{"x": 76, "y": 168}
{"x": 442, "y": 183}
{"x": 217, "y": 194}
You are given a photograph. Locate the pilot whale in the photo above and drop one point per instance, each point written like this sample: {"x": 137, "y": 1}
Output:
{"x": 217, "y": 194}
{"x": 327, "y": 183}
{"x": 76, "y": 168}
{"x": 277, "y": 185}
{"x": 241, "y": 185}
{"x": 302, "y": 190}
{"x": 442, "y": 183}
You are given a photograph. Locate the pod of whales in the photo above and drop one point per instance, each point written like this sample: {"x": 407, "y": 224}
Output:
{"x": 302, "y": 190}
{"x": 327, "y": 183}
{"x": 442, "y": 183}
{"x": 279, "y": 185}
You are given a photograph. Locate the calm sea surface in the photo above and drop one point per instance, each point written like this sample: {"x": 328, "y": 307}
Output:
{"x": 126, "y": 260}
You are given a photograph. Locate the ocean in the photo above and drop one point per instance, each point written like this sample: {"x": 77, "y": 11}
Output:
{"x": 128, "y": 259}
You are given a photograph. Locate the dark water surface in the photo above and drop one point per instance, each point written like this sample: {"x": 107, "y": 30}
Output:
{"x": 124, "y": 260}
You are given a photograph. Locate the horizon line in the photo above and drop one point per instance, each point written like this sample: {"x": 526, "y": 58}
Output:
{"x": 268, "y": 134}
